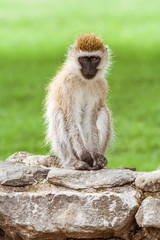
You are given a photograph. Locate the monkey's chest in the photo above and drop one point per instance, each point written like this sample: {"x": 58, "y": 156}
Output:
{"x": 84, "y": 114}
{"x": 85, "y": 104}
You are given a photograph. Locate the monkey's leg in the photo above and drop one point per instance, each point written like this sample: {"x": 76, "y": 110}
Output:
{"x": 78, "y": 145}
{"x": 101, "y": 134}
{"x": 104, "y": 127}
{"x": 76, "y": 136}
{"x": 91, "y": 138}
{"x": 62, "y": 144}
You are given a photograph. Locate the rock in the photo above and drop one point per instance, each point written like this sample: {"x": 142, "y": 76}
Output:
{"x": 148, "y": 214}
{"x": 39, "y": 201}
{"x": 91, "y": 179}
{"x": 36, "y": 160}
{"x": 147, "y": 234}
{"x": 18, "y": 157}
{"x": 149, "y": 181}
{"x": 33, "y": 160}
{"x": 17, "y": 174}
{"x": 67, "y": 214}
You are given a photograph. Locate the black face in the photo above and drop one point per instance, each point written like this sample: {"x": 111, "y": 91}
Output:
{"x": 89, "y": 66}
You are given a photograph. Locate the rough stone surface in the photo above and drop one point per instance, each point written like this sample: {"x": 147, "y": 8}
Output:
{"x": 148, "y": 214}
{"x": 39, "y": 201}
{"x": 73, "y": 214}
{"x": 18, "y": 157}
{"x": 91, "y": 179}
{"x": 149, "y": 181}
{"x": 18, "y": 174}
{"x": 34, "y": 160}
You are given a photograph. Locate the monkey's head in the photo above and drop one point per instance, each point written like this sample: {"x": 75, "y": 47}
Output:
{"x": 89, "y": 56}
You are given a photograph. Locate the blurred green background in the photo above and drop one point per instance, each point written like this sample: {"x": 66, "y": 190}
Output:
{"x": 34, "y": 37}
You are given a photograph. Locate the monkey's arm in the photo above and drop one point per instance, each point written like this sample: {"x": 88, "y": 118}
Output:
{"x": 101, "y": 132}
{"x": 77, "y": 142}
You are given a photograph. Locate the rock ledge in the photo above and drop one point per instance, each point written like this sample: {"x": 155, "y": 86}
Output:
{"x": 39, "y": 201}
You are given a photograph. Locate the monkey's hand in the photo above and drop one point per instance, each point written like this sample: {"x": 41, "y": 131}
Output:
{"x": 87, "y": 158}
{"x": 99, "y": 161}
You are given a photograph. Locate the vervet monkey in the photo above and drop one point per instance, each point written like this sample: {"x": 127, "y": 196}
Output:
{"x": 78, "y": 120}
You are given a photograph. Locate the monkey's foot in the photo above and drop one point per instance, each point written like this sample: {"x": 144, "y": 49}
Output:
{"x": 87, "y": 158}
{"x": 99, "y": 161}
{"x": 80, "y": 165}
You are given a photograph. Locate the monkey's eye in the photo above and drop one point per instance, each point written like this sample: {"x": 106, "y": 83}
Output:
{"x": 94, "y": 59}
{"x": 84, "y": 59}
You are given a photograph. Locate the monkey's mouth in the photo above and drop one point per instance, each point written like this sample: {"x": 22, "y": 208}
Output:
{"x": 88, "y": 75}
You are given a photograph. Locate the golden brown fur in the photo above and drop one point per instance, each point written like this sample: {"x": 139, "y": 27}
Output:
{"x": 89, "y": 42}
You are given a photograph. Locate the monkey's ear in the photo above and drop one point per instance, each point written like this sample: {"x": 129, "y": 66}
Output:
{"x": 71, "y": 47}
{"x": 106, "y": 47}
{"x": 70, "y": 50}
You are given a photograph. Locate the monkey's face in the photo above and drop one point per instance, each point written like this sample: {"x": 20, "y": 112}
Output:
{"x": 89, "y": 66}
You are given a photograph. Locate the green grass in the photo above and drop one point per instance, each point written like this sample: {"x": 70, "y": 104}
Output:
{"x": 34, "y": 37}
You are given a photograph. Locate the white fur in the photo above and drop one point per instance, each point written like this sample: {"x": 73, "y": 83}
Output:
{"x": 85, "y": 100}
{"x": 102, "y": 126}
{"x": 62, "y": 138}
